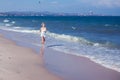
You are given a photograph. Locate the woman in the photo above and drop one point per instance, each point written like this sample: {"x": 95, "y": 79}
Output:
{"x": 43, "y": 30}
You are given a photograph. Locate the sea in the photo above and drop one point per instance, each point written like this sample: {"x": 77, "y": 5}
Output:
{"x": 94, "y": 37}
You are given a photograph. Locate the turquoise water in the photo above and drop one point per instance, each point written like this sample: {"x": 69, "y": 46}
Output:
{"x": 95, "y": 37}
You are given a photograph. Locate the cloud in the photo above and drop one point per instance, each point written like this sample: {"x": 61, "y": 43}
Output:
{"x": 109, "y": 3}
{"x": 102, "y": 3}
{"x": 54, "y": 2}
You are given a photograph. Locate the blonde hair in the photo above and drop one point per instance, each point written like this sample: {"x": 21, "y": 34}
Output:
{"x": 43, "y": 24}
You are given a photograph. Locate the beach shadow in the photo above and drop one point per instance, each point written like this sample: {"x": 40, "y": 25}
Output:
{"x": 55, "y": 45}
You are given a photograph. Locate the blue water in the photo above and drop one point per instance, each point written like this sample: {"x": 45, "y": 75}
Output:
{"x": 95, "y": 37}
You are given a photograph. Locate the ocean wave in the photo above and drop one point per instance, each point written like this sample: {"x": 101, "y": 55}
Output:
{"x": 73, "y": 27}
{"x": 34, "y": 21}
{"x": 80, "y": 40}
{"x": 18, "y": 29}
{"x": 105, "y": 63}
{"x": 5, "y": 20}
{"x": 24, "y": 31}
{"x": 13, "y": 22}
{"x": 107, "y": 25}
{"x": 54, "y": 35}
{"x": 63, "y": 37}
{"x": 7, "y": 24}
{"x": 68, "y": 38}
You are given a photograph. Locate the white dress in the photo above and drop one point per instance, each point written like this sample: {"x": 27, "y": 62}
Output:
{"x": 43, "y": 34}
{"x": 43, "y": 31}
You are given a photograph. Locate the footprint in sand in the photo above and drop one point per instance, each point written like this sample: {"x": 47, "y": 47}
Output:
{"x": 18, "y": 72}
{"x": 9, "y": 57}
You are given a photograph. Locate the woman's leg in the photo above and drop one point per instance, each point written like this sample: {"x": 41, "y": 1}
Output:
{"x": 43, "y": 40}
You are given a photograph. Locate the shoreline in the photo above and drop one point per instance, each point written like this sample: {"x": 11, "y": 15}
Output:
{"x": 73, "y": 67}
{"x": 69, "y": 67}
{"x": 21, "y": 63}
{"x": 104, "y": 61}
{"x": 35, "y": 44}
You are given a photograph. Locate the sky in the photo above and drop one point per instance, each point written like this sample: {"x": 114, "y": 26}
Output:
{"x": 107, "y": 7}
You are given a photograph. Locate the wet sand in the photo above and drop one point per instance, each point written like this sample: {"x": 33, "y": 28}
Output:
{"x": 77, "y": 68}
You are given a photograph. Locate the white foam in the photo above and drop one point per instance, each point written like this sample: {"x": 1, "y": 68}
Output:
{"x": 68, "y": 38}
{"x": 105, "y": 64}
{"x": 73, "y": 28}
{"x": 26, "y": 31}
{"x": 96, "y": 44}
{"x": 107, "y": 25}
{"x": 17, "y": 27}
{"x": 34, "y": 20}
{"x": 7, "y": 24}
{"x": 13, "y": 22}
{"x": 92, "y": 58}
{"x": 6, "y": 20}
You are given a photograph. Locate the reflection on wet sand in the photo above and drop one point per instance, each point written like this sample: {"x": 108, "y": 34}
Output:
{"x": 42, "y": 50}
{"x": 42, "y": 54}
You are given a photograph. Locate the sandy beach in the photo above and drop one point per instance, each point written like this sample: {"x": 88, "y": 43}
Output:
{"x": 60, "y": 40}
{"x": 20, "y": 63}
